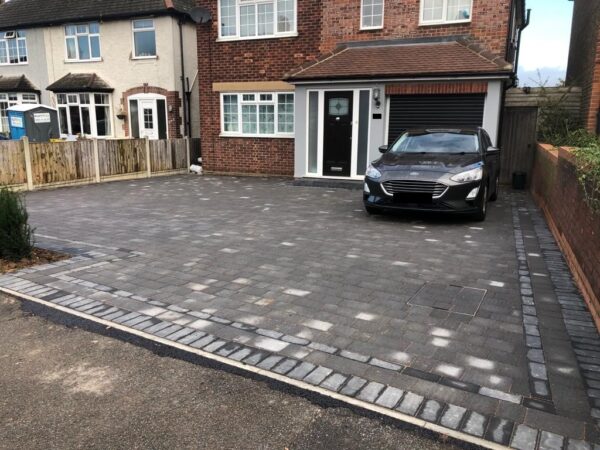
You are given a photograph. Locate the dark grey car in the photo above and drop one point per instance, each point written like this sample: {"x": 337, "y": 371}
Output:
{"x": 446, "y": 170}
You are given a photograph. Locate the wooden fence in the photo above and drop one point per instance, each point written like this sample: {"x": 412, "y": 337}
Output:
{"x": 25, "y": 165}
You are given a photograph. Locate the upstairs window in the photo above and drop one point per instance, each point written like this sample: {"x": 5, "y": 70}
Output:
{"x": 83, "y": 42}
{"x": 254, "y": 19}
{"x": 435, "y": 12}
{"x": 144, "y": 39}
{"x": 13, "y": 47}
{"x": 371, "y": 14}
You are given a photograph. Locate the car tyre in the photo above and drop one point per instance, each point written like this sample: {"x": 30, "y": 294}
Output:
{"x": 479, "y": 216}
{"x": 494, "y": 196}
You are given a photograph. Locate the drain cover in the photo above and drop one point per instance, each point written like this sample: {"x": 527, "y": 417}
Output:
{"x": 455, "y": 299}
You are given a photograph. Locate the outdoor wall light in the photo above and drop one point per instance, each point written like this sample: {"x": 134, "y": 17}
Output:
{"x": 377, "y": 97}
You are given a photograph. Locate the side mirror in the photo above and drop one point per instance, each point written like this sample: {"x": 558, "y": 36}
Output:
{"x": 383, "y": 149}
{"x": 492, "y": 150}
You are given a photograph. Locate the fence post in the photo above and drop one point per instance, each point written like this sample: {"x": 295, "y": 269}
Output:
{"x": 187, "y": 149}
{"x": 148, "y": 168}
{"x": 96, "y": 160}
{"x": 28, "y": 169}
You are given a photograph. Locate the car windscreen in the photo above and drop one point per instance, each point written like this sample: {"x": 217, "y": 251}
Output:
{"x": 437, "y": 142}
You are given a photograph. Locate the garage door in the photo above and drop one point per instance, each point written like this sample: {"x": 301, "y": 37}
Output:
{"x": 428, "y": 111}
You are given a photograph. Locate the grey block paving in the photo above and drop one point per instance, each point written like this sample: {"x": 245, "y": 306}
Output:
{"x": 370, "y": 392}
{"x": 410, "y": 404}
{"x": 453, "y": 416}
{"x": 390, "y": 397}
{"x": 437, "y": 323}
{"x": 525, "y": 438}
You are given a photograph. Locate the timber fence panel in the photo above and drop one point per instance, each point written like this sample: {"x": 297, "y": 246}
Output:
{"x": 12, "y": 163}
{"x": 61, "y": 162}
{"x": 121, "y": 157}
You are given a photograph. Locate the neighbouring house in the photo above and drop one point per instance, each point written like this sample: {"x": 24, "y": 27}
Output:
{"x": 313, "y": 88}
{"x": 584, "y": 60}
{"x": 112, "y": 68}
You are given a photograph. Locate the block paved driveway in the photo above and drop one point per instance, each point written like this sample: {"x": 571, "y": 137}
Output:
{"x": 477, "y": 327}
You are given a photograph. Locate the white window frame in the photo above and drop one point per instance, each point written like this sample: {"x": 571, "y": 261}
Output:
{"x": 257, "y": 101}
{"x": 134, "y": 30}
{"x": 76, "y": 37}
{"x": 17, "y": 39}
{"x": 276, "y": 34}
{"x": 92, "y": 111}
{"x": 444, "y": 15}
{"x": 377, "y": 27}
{"x": 14, "y": 99}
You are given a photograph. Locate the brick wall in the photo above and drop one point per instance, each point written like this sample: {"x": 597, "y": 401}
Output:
{"x": 250, "y": 60}
{"x": 173, "y": 108}
{"x": 584, "y": 58}
{"x": 473, "y": 87}
{"x": 341, "y": 22}
{"x": 557, "y": 191}
{"x": 322, "y": 25}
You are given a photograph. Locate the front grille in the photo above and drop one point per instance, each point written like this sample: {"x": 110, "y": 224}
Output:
{"x": 414, "y": 187}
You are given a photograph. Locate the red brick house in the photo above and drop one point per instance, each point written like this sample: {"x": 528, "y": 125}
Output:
{"x": 584, "y": 60}
{"x": 312, "y": 88}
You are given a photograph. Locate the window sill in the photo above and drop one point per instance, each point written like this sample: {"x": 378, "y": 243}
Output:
{"x": 453, "y": 22}
{"x": 254, "y": 136}
{"x": 257, "y": 38}
{"x": 371, "y": 28}
{"x": 143, "y": 58}
{"x": 14, "y": 64}
{"x": 83, "y": 61}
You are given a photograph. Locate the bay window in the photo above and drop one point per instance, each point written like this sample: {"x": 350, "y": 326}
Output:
{"x": 13, "y": 47}
{"x": 85, "y": 114}
{"x": 445, "y": 11}
{"x": 83, "y": 42}
{"x": 265, "y": 114}
{"x": 252, "y": 19}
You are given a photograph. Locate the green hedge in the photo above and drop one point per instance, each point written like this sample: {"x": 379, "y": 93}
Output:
{"x": 16, "y": 236}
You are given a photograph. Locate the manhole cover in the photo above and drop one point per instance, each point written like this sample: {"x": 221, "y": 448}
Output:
{"x": 455, "y": 299}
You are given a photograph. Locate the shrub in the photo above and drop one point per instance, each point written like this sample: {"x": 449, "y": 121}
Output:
{"x": 16, "y": 236}
{"x": 588, "y": 171}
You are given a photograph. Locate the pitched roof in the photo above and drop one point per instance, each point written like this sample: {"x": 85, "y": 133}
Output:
{"x": 403, "y": 59}
{"x": 17, "y": 84}
{"x": 30, "y": 13}
{"x": 80, "y": 82}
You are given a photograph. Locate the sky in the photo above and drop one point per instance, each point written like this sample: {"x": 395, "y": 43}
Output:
{"x": 545, "y": 45}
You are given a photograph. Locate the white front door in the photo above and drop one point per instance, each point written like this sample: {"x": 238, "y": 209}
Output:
{"x": 148, "y": 117}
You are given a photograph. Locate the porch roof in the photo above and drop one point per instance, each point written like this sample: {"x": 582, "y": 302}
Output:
{"x": 19, "y": 83}
{"x": 454, "y": 56}
{"x": 80, "y": 82}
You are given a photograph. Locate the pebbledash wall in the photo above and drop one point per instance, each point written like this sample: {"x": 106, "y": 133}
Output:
{"x": 128, "y": 75}
{"x": 557, "y": 191}
{"x": 321, "y": 25}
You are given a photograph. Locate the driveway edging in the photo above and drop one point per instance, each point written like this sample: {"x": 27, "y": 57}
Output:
{"x": 521, "y": 436}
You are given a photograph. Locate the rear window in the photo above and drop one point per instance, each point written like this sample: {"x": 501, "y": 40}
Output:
{"x": 438, "y": 142}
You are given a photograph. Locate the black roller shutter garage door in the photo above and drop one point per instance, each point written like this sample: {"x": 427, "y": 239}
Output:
{"x": 434, "y": 111}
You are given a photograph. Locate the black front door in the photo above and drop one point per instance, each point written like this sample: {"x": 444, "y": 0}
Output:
{"x": 337, "y": 138}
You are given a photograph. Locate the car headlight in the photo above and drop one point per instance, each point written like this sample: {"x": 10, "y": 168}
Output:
{"x": 372, "y": 172}
{"x": 468, "y": 176}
